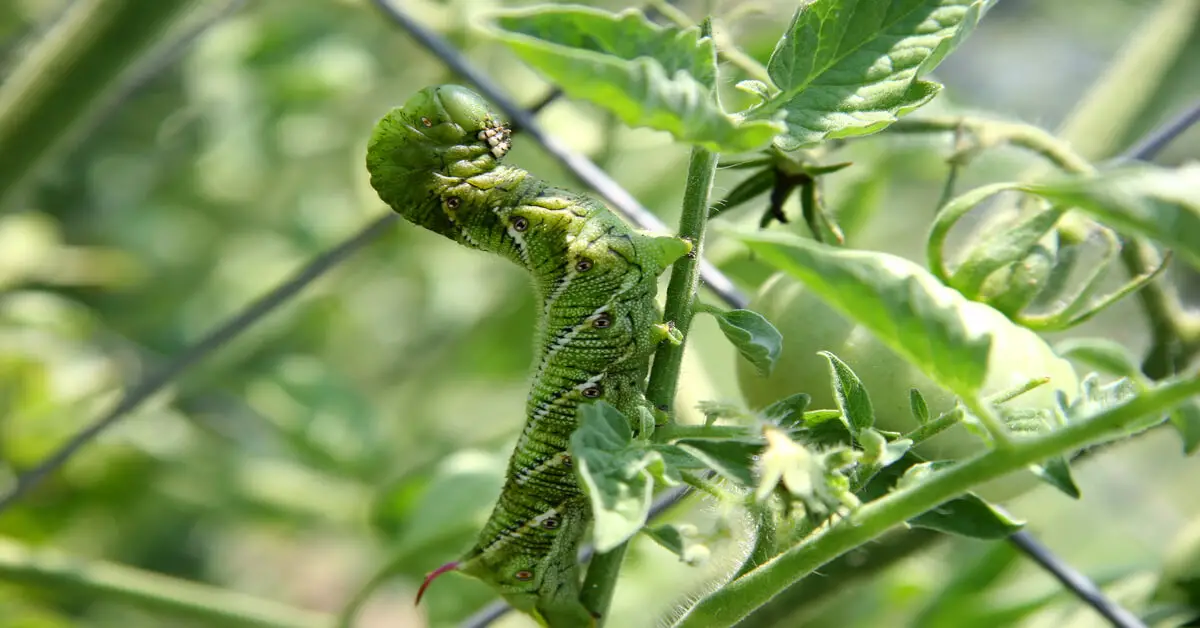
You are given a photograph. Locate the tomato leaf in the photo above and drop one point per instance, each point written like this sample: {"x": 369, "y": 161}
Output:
{"x": 732, "y": 459}
{"x": 746, "y": 190}
{"x": 969, "y": 516}
{"x": 851, "y": 395}
{"x": 1186, "y": 419}
{"x": 617, "y": 475}
{"x": 1160, "y": 203}
{"x": 920, "y": 409}
{"x": 754, "y": 337}
{"x": 789, "y": 411}
{"x": 930, "y": 325}
{"x": 647, "y": 75}
{"x": 1100, "y": 353}
{"x": 675, "y": 538}
{"x": 1057, "y": 473}
{"x": 853, "y": 67}
{"x": 1000, "y": 249}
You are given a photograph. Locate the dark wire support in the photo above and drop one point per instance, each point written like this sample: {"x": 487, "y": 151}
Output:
{"x": 1153, "y": 143}
{"x": 1080, "y": 585}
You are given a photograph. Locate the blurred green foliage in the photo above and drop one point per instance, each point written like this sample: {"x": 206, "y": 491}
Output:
{"x": 371, "y": 417}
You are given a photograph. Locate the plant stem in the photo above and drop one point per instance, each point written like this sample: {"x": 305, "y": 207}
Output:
{"x": 943, "y": 422}
{"x": 675, "y": 431}
{"x": 787, "y": 609}
{"x": 766, "y": 529}
{"x": 991, "y": 131}
{"x": 685, "y": 277}
{"x": 602, "y": 573}
{"x": 214, "y": 606}
{"x": 738, "y": 598}
{"x": 59, "y": 82}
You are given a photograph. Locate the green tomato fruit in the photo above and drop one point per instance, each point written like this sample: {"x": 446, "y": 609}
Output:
{"x": 809, "y": 325}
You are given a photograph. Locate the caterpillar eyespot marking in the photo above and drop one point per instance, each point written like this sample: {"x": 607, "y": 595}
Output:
{"x": 419, "y": 154}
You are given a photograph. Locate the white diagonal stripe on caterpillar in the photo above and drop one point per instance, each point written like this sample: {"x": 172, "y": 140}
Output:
{"x": 553, "y": 461}
{"x": 543, "y": 409}
{"x": 507, "y": 535}
{"x": 562, "y": 340}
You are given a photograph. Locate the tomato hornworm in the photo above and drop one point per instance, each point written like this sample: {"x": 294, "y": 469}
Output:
{"x": 436, "y": 162}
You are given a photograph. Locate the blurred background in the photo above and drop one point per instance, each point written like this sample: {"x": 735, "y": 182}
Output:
{"x": 368, "y": 420}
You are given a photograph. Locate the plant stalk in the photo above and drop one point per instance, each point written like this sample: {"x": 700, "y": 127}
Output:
{"x": 170, "y": 596}
{"x": 990, "y": 131}
{"x": 740, "y": 597}
{"x": 604, "y": 569}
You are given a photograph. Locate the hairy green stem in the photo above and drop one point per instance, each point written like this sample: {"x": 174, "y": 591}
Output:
{"x": 61, "y": 80}
{"x": 990, "y": 131}
{"x": 604, "y": 569}
{"x": 766, "y": 530}
{"x": 943, "y": 422}
{"x": 788, "y": 609}
{"x": 170, "y": 596}
{"x": 675, "y": 431}
{"x": 685, "y": 277}
{"x": 740, "y": 597}
{"x": 703, "y": 482}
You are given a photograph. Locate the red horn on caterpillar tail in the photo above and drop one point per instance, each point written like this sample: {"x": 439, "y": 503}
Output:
{"x": 431, "y": 576}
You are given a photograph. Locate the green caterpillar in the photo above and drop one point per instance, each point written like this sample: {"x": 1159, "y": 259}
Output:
{"x": 436, "y": 161}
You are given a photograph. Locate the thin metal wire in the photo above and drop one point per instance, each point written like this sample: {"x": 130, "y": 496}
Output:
{"x": 1153, "y": 142}
{"x": 582, "y": 167}
{"x": 144, "y": 389}
{"x": 1079, "y": 585}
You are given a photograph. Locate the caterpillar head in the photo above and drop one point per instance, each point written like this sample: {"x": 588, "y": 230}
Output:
{"x": 442, "y": 133}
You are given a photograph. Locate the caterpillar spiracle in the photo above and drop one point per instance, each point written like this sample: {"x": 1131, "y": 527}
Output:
{"x": 436, "y": 162}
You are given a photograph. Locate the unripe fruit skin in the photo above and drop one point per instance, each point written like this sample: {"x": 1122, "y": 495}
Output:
{"x": 809, "y": 325}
